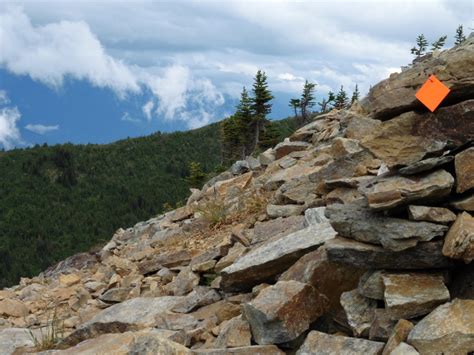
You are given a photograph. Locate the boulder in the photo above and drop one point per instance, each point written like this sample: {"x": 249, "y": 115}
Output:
{"x": 426, "y": 255}
{"x": 117, "y": 294}
{"x": 69, "y": 279}
{"x": 298, "y": 191}
{"x": 359, "y": 311}
{"x": 264, "y": 263}
{"x": 275, "y": 228}
{"x": 431, "y": 214}
{"x": 425, "y": 165}
{"x": 449, "y": 326}
{"x": 253, "y": 163}
{"x": 13, "y": 338}
{"x": 318, "y": 343}
{"x": 371, "y": 285}
{"x": 285, "y": 148}
{"x": 356, "y": 221}
{"x": 158, "y": 261}
{"x": 404, "y": 349}
{"x": 240, "y": 167}
{"x": 395, "y": 191}
{"x": 184, "y": 282}
{"x": 399, "y": 335}
{"x": 222, "y": 187}
{"x": 234, "y": 333}
{"x": 396, "y": 94}
{"x": 464, "y": 164}
{"x": 13, "y": 308}
{"x": 382, "y": 325}
{"x": 267, "y": 157}
{"x": 276, "y": 211}
{"x": 199, "y": 296}
{"x": 282, "y": 312}
{"x": 244, "y": 350}
{"x": 459, "y": 242}
{"x": 413, "y": 294}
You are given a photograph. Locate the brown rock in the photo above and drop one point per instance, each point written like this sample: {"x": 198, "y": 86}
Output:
{"x": 449, "y": 326}
{"x": 179, "y": 258}
{"x": 234, "y": 333}
{"x": 13, "y": 308}
{"x": 371, "y": 285}
{"x": 425, "y": 165}
{"x": 382, "y": 325}
{"x": 276, "y": 211}
{"x": 399, "y": 335}
{"x": 359, "y": 310}
{"x": 118, "y": 294}
{"x": 431, "y": 214}
{"x": 184, "y": 282}
{"x": 464, "y": 203}
{"x": 404, "y": 349}
{"x": 198, "y": 297}
{"x": 413, "y": 294}
{"x": 276, "y": 228}
{"x": 245, "y": 350}
{"x": 318, "y": 343}
{"x": 175, "y": 321}
{"x": 464, "y": 163}
{"x": 459, "y": 242}
{"x": 285, "y": 148}
{"x": 223, "y": 310}
{"x": 282, "y": 312}
{"x": 69, "y": 279}
{"x": 398, "y": 190}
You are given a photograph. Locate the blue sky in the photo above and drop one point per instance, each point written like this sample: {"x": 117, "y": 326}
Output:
{"x": 98, "y": 71}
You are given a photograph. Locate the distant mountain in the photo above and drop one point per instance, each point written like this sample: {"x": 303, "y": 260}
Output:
{"x": 58, "y": 200}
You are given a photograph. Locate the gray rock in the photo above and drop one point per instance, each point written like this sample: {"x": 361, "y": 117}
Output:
{"x": 275, "y": 211}
{"x": 427, "y": 255}
{"x": 276, "y": 228}
{"x": 431, "y": 214}
{"x": 175, "y": 321}
{"x": 425, "y": 165}
{"x": 371, "y": 285}
{"x": 240, "y": 167}
{"x": 315, "y": 216}
{"x": 285, "y": 148}
{"x": 235, "y": 333}
{"x": 359, "y": 311}
{"x": 117, "y": 294}
{"x": 244, "y": 350}
{"x": 179, "y": 258}
{"x": 356, "y": 221}
{"x": 12, "y": 338}
{"x": 404, "y": 349}
{"x": 267, "y": 157}
{"x": 184, "y": 282}
{"x": 200, "y": 296}
{"x": 254, "y": 164}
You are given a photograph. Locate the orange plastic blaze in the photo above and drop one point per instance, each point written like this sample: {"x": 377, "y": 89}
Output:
{"x": 432, "y": 93}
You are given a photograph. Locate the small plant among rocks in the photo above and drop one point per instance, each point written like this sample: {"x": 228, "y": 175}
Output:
{"x": 50, "y": 335}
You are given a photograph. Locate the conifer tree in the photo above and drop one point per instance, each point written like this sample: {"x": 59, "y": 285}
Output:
{"x": 420, "y": 48}
{"x": 355, "y": 95}
{"x": 325, "y": 103}
{"x": 341, "y": 99}
{"x": 295, "y": 104}
{"x": 307, "y": 99}
{"x": 231, "y": 139}
{"x": 439, "y": 43}
{"x": 196, "y": 176}
{"x": 244, "y": 117}
{"x": 459, "y": 37}
{"x": 261, "y": 104}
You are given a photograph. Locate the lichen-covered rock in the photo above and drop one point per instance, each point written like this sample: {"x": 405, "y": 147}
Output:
{"x": 371, "y": 285}
{"x": 282, "y": 312}
{"x": 459, "y": 242}
{"x": 399, "y": 334}
{"x": 464, "y": 163}
{"x": 431, "y": 214}
{"x": 235, "y": 333}
{"x": 359, "y": 311}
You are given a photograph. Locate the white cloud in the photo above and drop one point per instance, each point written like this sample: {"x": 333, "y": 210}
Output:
{"x": 4, "y": 100}
{"x": 126, "y": 117}
{"x": 41, "y": 129}
{"x": 9, "y": 132}
{"x": 147, "y": 108}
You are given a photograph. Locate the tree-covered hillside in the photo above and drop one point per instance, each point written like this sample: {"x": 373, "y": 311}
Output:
{"x": 59, "y": 200}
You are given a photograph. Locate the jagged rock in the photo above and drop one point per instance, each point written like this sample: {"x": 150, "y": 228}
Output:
{"x": 382, "y": 325}
{"x": 396, "y": 94}
{"x": 246, "y": 350}
{"x": 343, "y": 195}
{"x": 404, "y": 349}
{"x": 175, "y": 321}
{"x": 240, "y": 167}
{"x": 449, "y": 326}
{"x": 298, "y": 191}
{"x": 287, "y": 162}
{"x": 178, "y": 258}
{"x": 426, "y": 255}
{"x": 76, "y": 262}
{"x": 13, "y": 308}
{"x": 464, "y": 164}
{"x": 285, "y": 148}
{"x": 464, "y": 203}
{"x": 200, "y": 296}
{"x": 205, "y": 266}
{"x": 69, "y": 279}
{"x": 264, "y": 263}
{"x": 253, "y": 163}
{"x": 431, "y": 214}
{"x": 318, "y": 343}
{"x": 267, "y": 157}
{"x": 359, "y": 311}
{"x": 276, "y": 228}
{"x": 222, "y": 187}
{"x": 371, "y": 285}
{"x": 234, "y": 333}
{"x": 282, "y": 312}
{"x": 459, "y": 242}
{"x": 289, "y": 176}
{"x": 235, "y": 252}
{"x": 118, "y": 294}
{"x": 399, "y": 190}
{"x": 315, "y": 216}
{"x": 425, "y": 165}
{"x": 331, "y": 279}
{"x": 180, "y": 214}
{"x": 223, "y": 310}
{"x": 184, "y": 282}
{"x": 399, "y": 334}
{"x": 344, "y": 146}
{"x": 275, "y": 211}
{"x": 413, "y": 294}
{"x": 13, "y": 338}
{"x": 356, "y": 221}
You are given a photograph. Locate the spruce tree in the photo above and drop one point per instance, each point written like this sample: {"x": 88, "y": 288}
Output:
{"x": 196, "y": 176}
{"x": 307, "y": 99}
{"x": 325, "y": 103}
{"x": 355, "y": 95}
{"x": 341, "y": 99}
{"x": 243, "y": 117}
{"x": 420, "y": 48}
{"x": 439, "y": 43}
{"x": 261, "y": 104}
{"x": 295, "y": 104}
{"x": 459, "y": 37}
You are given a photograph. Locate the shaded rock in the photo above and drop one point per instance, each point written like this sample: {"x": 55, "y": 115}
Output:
{"x": 240, "y": 167}
{"x": 235, "y": 252}
{"x": 358, "y": 222}
{"x": 223, "y": 310}
{"x": 464, "y": 164}
{"x": 318, "y": 343}
{"x": 179, "y": 258}
{"x": 264, "y": 263}
{"x": 13, "y": 308}
{"x": 175, "y": 321}
{"x": 464, "y": 203}
{"x": 399, "y": 335}
{"x": 425, "y": 165}
{"x": 449, "y": 326}
{"x": 413, "y": 294}
{"x": 431, "y": 214}
{"x": 343, "y": 195}
{"x": 282, "y": 312}
{"x": 382, "y": 325}
{"x": 184, "y": 282}
{"x": 118, "y": 294}
{"x": 462, "y": 283}
{"x": 204, "y": 266}
{"x": 459, "y": 242}
{"x": 256, "y": 349}
{"x": 200, "y": 296}
{"x": 398, "y": 190}
{"x": 289, "y": 176}
{"x": 285, "y": 148}
{"x": 359, "y": 311}
{"x": 331, "y": 279}
{"x": 275, "y": 211}
{"x": 13, "y": 338}
{"x": 276, "y": 228}
{"x": 73, "y": 263}
{"x": 426, "y": 255}
{"x": 235, "y": 333}
{"x": 267, "y": 157}
{"x": 371, "y": 285}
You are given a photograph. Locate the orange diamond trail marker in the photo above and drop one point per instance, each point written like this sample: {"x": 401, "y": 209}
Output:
{"x": 432, "y": 93}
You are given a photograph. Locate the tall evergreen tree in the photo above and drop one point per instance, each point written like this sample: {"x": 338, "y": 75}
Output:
{"x": 196, "y": 176}
{"x": 244, "y": 117}
{"x": 341, "y": 99}
{"x": 295, "y": 104}
{"x": 307, "y": 99}
{"x": 420, "y": 48}
{"x": 459, "y": 37}
{"x": 261, "y": 104}
{"x": 355, "y": 95}
{"x": 439, "y": 43}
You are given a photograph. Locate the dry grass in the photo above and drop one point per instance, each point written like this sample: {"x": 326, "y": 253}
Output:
{"x": 49, "y": 338}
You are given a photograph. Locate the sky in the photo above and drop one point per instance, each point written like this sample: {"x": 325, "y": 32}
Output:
{"x": 100, "y": 71}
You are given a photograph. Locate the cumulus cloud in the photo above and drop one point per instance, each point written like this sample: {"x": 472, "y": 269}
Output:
{"x": 41, "y": 129}
{"x": 9, "y": 132}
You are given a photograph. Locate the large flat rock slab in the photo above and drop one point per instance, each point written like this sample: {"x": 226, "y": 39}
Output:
{"x": 12, "y": 338}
